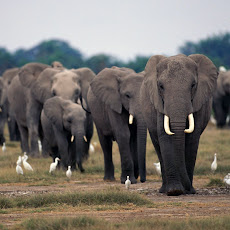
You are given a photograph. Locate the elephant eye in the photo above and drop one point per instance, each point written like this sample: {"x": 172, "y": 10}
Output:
{"x": 193, "y": 85}
{"x": 160, "y": 85}
{"x": 127, "y": 95}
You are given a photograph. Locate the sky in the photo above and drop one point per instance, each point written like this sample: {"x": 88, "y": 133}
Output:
{"x": 121, "y": 28}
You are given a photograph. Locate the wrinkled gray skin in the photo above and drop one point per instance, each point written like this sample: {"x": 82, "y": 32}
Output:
{"x": 221, "y": 99}
{"x": 3, "y": 111}
{"x": 8, "y": 76}
{"x": 112, "y": 96}
{"x": 60, "y": 120}
{"x": 177, "y": 86}
{"x": 19, "y": 97}
{"x": 38, "y": 86}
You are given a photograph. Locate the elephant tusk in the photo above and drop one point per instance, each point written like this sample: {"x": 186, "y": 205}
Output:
{"x": 130, "y": 119}
{"x": 166, "y": 125}
{"x": 85, "y": 138}
{"x": 0, "y": 110}
{"x": 72, "y": 138}
{"x": 191, "y": 124}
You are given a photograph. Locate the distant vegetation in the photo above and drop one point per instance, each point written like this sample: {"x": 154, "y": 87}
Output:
{"x": 217, "y": 48}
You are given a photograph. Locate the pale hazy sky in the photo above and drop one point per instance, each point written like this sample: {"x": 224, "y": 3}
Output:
{"x": 123, "y": 28}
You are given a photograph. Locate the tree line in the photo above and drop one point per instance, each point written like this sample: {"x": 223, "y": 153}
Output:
{"x": 216, "y": 47}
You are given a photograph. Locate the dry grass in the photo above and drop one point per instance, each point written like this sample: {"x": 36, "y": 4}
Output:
{"x": 212, "y": 140}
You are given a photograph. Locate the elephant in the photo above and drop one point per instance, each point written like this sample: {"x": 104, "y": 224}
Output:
{"x": 221, "y": 99}
{"x": 37, "y": 87}
{"x": 64, "y": 128}
{"x": 19, "y": 96}
{"x": 176, "y": 100}
{"x": 7, "y": 77}
{"x": 112, "y": 97}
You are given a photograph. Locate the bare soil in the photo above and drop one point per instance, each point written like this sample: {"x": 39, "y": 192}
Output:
{"x": 207, "y": 202}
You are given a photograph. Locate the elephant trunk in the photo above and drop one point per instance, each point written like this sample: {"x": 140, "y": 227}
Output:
{"x": 79, "y": 141}
{"x": 141, "y": 148}
{"x": 178, "y": 142}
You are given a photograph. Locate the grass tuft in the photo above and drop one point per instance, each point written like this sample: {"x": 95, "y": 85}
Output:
{"x": 63, "y": 223}
{"x": 109, "y": 197}
{"x": 215, "y": 182}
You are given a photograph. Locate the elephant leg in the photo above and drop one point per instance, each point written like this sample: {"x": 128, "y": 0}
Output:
{"x": 158, "y": 151}
{"x": 24, "y": 139}
{"x": 192, "y": 143}
{"x": 33, "y": 118}
{"x": 133, "y": 149}
{"x": 106, "y": 145}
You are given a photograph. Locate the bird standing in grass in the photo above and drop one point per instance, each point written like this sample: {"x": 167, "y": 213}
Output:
{"x": 158, "y": 168}
{"x": 4, "y": 147}
{"x": 26, "y": 165}
{"x": 19, "y": 170}
{"x": 127, "y": 183}
{"x": 214, "y": 163}
{"x": 68, "y": 172}
{"x": 227, "y": 180}
{"x": 53, "y": 165}
{"x": 91, "y": 148}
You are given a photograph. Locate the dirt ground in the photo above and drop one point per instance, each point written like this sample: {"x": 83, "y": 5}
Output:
{"x": 207, "y": 202}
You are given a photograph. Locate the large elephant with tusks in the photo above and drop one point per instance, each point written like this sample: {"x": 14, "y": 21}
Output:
{"x": 176, "y": 100}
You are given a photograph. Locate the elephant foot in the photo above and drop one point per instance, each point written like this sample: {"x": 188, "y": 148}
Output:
{"x": 175, "y": 190}
{"x": 162, "y": 189}
{"x": 191, "y": 191}
{"x": 109, "y": 178}
{"x": 142, "y": 179}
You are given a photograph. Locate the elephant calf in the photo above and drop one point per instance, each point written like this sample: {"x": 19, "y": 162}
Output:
{"x": 64, "y": 127}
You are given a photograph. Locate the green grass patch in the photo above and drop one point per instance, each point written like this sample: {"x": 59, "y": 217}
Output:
{"x": 89, "y": 223}
{"x": 110, "y": 197}
{"x": 215, "y": 182}
{"x": 62, "y": 223}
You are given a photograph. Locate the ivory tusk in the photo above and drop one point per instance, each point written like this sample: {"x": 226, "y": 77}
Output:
{"x": 72, "y": 138}
{"x": 191, "y": 124}
{"x": 130, "y": 119}
{"x": 166, "y": 125}
{"x": 85, "y": 138}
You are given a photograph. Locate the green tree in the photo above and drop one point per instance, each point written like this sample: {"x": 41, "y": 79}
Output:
{"x": 138, "y": 64}
{"x": 6, "y": 60}
{"x": 217, "y": 48}
{"x": 101, "y": 61}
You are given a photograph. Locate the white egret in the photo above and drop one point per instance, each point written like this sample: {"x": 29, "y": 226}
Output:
{"x": 214, "y": 163}
{"x": 127, "y": 183}
{"x": 26, "y": 165}
{"x": 53, "y": 165}
{"x": 68, "y": 172}
{"x": 4, "y": 147}
{"x": 158, "y": 168}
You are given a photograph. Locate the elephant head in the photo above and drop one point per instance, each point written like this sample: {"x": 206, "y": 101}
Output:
{"x": 221, "y": 105}
{"x": 179, "y": 88}
{"x": 69, "y": 119}
{"x": 223, "y": 84}
{"x": 69, "y": 84}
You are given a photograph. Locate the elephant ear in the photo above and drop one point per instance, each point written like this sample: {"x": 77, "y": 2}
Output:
{"x": 207, "y": 80}
{"x": 150, "y": 81}
{"x": 54, "y": 111}
{"x": 29, "y": 73}
{"x": 105, "y": 87}
{"x": 220, "y": 83}
{"x": 86, "y": 75}
{"x": 41, "y": 89}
